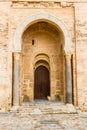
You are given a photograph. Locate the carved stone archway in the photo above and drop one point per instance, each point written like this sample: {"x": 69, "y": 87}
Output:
{"x": 38, "y": 17}
{"x": 18, "y": 47}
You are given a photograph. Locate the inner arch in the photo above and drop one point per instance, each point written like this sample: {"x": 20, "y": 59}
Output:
{"x": 46, "y": 51}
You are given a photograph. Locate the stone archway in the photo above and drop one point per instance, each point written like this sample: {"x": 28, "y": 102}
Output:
{"x": 38, "y": 17}
{"x": 18, "y": 47}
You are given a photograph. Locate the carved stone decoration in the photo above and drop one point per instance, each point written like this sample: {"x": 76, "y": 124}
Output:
{"x": 40, "y": 4}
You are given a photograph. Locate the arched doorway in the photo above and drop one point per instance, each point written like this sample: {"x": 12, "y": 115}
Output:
{"x": 42, "y": 83}
{"x": 57, "y": 41}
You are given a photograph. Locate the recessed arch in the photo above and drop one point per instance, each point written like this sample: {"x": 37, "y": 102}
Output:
{"x": 42, "y": 63}
{"x": 41, "y": 57}
{"x": 41, "y": 17}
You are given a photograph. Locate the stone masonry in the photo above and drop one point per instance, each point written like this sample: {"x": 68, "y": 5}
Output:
{"x": 58, "y": 30}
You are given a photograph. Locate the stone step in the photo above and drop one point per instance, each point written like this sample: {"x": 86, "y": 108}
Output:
{"x": 45, "y": 109}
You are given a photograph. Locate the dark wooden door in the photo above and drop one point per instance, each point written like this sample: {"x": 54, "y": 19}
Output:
{"x": 42, "y": 83}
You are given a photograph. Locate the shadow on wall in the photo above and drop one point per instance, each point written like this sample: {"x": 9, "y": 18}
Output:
{"x": 26, "y": 98}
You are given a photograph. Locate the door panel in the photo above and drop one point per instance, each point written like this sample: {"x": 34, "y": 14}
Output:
{"x": 42, "y": 83}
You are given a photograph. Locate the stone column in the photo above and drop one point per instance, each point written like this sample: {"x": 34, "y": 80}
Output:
{"x": 68, "y": 79}
{"x": 16, "y": 80}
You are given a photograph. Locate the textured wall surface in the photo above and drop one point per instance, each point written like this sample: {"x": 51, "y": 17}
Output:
{"x": 5, "y": 86}
{"x": 47, "y": 42}
{"x": 71, "y": 13}
{"x": 81, "y": 52}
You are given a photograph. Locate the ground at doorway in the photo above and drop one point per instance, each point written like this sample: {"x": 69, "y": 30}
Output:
{"x": 11, "y": 121}
{"x": 44, "y": 107}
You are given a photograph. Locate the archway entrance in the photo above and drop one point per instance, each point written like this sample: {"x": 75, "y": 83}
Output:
{"x": 42, "y": 83}
{"x": 42, "y": 34}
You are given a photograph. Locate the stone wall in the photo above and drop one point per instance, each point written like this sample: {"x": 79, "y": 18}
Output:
{"x": 81, "y": 53}
{"x": 71, "y": 13}
{"x": 29, "y": 9}
{"x": 5, "y": 78}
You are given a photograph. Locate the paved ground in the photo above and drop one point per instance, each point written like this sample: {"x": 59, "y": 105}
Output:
{"x": 11, "y": 121}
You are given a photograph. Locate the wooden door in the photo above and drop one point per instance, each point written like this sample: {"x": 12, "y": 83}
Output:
{"x": 42, "y": 83}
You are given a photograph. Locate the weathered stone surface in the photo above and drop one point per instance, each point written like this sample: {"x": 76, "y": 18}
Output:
{"x": 81, "y": 45}
{"x": 45, "y": 107}
{"x": 49, "y": 122}
{"x": 50, "y": 39}
{"x": 36, "y": 111}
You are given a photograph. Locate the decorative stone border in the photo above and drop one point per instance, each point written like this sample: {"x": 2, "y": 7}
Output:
{"x": 41, "y": 17}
